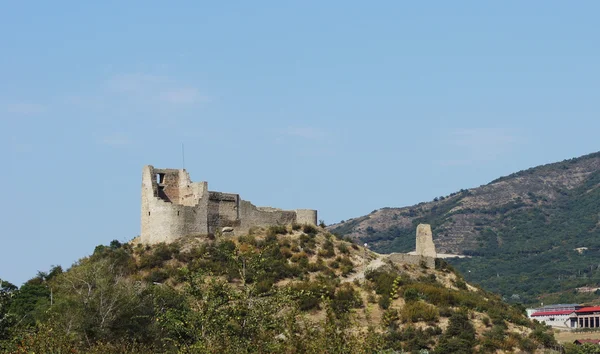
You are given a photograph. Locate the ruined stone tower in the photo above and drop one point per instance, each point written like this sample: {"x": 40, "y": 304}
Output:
{"x": 173, "y": 207}
{"x": 425, "y": 246}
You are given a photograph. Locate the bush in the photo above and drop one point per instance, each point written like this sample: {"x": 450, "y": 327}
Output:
{"x": 345, "y": 298}
{"x": 384, "y": 281}
{"x": 317, "y": 266}
{"x": 309, "y": 229}
{"x": 384, "y": 301}
{"x": 460, "y": 284}
{"x": 159, "y": 254}
{"x": 327, "y": 251}
{"x": 274, "y": 230}
{"x": 286, "y": 252}
{"x": 264, "y": 286}
{"x": 307, "y": 242}
{"x": 343, "y": 248}
{"x": 309, "y": 293}
{"x": 157, "y": 276}
{"x": 419, "y": 311}
{"x": 298, "y": 256}
{"x": 411, "y": 294}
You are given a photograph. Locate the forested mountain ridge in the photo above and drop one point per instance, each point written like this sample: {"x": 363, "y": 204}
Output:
{"x": 522, "y": 230}
{"x": 294, "y": 289}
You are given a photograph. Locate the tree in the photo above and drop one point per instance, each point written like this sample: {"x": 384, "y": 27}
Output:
{"x": 6, "y": 319}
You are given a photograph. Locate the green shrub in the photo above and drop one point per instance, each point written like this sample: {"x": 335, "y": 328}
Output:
{"x": 445, "y": 311}
{"x": 384, "y": 281}
{"x": 327, "y": 250}
{"x": 296, "y": 226}
{"x": 286, "y": 252}
{"x": 158, "y": 255}
{"x": 460, "y": 284}
{"x": 307, "y": 242}
{"x": 309, "y": 293}
{"x": 317, "y": 266}
{"x": 309, "y": 229}
{"x": 419, "y": 311}
{"x": 264, "y": 286}
{"x": 275, "y": 230}
{"x": 157, "y": 276}
{"x": 343, "y": 248}
{"x": 384, "y": 301}
{"x": 459, "y": 336}
{"x": 249, "y": 239}
{"x": 298, "y": 256}
{"x": 345, "y": 298}
{"x": 411, "y": 294}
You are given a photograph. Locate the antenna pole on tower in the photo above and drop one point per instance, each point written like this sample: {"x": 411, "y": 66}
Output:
{"x": 182, "y": 156}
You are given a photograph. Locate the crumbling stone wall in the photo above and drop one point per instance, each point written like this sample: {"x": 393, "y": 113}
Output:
{"x": 405, "y": 258}
{"x": 424, "y": 254}
{"x": 173, "y": 206}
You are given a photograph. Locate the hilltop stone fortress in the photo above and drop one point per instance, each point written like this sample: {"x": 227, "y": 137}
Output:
{"x": 173, "y": 207}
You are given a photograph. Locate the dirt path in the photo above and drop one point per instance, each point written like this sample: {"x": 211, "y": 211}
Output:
{"x": 360, "y": 275}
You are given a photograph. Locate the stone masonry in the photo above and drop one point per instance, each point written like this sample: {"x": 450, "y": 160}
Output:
{"x": 425, "y": 246}
{"x": 425, "y": 249}
{"x": 173, "y": 206}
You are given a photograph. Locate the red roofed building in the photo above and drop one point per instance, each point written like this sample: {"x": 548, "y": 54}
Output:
{"x": 557, "y": 316}
{"x": 557, "y": 319}
{"x": 584, "y": 341}
{"x": 567, "y": 316}
{"x": 588, "y": 317}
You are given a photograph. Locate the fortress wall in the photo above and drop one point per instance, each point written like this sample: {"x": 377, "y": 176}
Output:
{"x": 169, "y": 179}
{"x": 190, "y": 193}
{"x": 172, "y": 207}
{"x": 306, "y": 216}
{"x": 195, "y": 218}
{"x": 403, "y": 258}
{"x": 223, "y": 210}
{"x": 164, "y": 221}
{"x": 251, "y": 216}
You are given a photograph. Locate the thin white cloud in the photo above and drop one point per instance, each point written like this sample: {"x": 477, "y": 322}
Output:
{"x": 472, "y": 145}
{"x": 308, "y": 133}
{"x": 135, "y": 83}
{"x": 482, "y": 138}
{"x": 23, "y": 108}
{"x": 184, "y": 95}
{"x": 152, "y": 88}
{"x": 116, "y": 140}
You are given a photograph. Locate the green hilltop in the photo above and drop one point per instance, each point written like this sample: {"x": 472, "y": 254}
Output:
{"x": 295, "y": 289}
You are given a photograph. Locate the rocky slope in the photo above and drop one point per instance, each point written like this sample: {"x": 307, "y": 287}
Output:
{"x": 532, "y": 217}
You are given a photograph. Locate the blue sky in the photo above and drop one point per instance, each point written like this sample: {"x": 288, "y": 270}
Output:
{"x": 341, "y": 106}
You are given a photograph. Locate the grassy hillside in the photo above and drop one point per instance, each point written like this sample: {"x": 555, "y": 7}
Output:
{"x": 521, "y": 230}
{"x": 289, "y": 290}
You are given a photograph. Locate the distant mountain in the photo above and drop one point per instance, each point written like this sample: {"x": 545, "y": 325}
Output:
{"x": 521, "y": 230}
